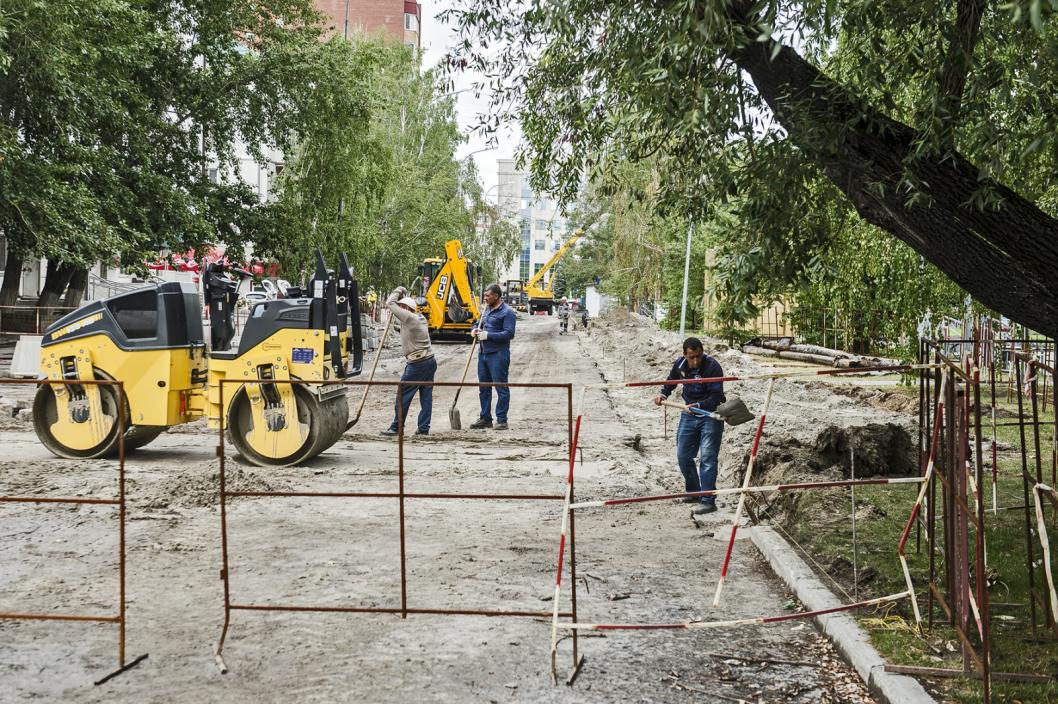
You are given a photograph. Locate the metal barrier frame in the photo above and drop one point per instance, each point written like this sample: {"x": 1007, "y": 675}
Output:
{"x": 120, "y": 618}
{"x": 404, "y": 610}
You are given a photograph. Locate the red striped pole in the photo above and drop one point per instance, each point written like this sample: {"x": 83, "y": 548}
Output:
{"x": 562, "y": 548}
{"x": 742, "y": 496}
{"x": 1045, "y": 542}
{"x": 750, "y": 490}
{"x": 918, "y": 500}
{"x": 773, "y": 375}
{"x": 758, "y": 620}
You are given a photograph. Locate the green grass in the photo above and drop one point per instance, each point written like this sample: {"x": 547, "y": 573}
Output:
{"x": 821, "y": 524}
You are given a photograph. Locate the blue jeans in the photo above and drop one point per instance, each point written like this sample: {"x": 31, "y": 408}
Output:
{"x": 493, "y": 367}
{"x": 416, "y": 371}
{"x": 699, "y": 438}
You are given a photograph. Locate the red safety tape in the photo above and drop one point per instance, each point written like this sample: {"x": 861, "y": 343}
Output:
{"x": 640, "y": 626}
{"x": 569, "y": 484}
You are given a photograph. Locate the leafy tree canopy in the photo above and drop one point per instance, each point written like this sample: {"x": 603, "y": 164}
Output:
{"x": 932, "y": 121}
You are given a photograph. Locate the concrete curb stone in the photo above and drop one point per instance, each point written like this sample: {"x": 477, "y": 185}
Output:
{"x": 849, "y": 639}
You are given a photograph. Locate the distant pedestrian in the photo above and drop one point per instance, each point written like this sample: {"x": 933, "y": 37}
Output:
{"x": 421, "y": 366}
{"x": 584, "y": 318}
{"x": 494, "y": 332}
{"x": 563, "y": 317}
{"x": 698, "y": 437}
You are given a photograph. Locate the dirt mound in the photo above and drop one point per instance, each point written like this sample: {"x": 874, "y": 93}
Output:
{"x": 889, "y": 400}
{"x": 203, "y": 490}
{"x": 879, "y": 450}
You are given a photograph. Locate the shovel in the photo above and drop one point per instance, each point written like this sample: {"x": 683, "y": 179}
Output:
{"x": 733, "y": 412}
{"x": 453, "y": 412}
{"x": 371, "y": 376}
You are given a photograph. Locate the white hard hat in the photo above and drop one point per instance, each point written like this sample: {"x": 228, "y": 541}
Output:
{"x": 409, "y": 302}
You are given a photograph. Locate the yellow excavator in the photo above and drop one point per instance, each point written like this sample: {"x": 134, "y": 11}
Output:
{"x": 151, "y": 339}
{"x": 447, "y": 299}
{"x": 540, "y": 292}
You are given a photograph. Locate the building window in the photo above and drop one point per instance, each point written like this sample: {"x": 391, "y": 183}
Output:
{"x": 411, "y": 22}
{"x": 541, "y": 224}
{"x": 540, "y": 244}
{"x": 538, "y": 267}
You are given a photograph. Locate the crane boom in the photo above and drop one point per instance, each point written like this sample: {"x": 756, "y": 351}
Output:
{"x": 543, "y": 295}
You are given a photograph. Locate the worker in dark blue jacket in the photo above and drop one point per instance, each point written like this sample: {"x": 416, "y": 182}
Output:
{"x": 698, "y": 437}
{"x": 494, "y": 332}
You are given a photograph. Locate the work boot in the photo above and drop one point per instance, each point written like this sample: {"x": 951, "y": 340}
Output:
{"x": 388, "y": 432}
{"x": 704, "y": 509}
{"x": 500, "y": 426}
{"x": 482, "y": 423}
{"x": 422, "y": 432}
{"x": 688, "y": 500}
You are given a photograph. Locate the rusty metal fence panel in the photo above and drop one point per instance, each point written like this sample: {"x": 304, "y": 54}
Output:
{"x": 120, "y": 617}
{"x": 402, "y": 496}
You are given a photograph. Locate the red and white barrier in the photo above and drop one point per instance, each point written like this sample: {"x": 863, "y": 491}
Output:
{"x": 562, "y": 545}
{"x": 742, "y": 495}
{"x": 1045, "y": 542}
{"x": 760, "y": 489}
{"x": 939, "y": 412}
{"x": 758, "y": 620}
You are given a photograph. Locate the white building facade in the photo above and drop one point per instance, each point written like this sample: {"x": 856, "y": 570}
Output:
{"x": 543, "y": 228}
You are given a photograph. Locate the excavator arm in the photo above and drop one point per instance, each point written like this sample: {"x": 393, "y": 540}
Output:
{"x": 449, "y": 315}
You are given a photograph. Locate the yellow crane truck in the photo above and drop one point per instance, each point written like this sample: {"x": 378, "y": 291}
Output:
{"x": 151, "y": 339}
{"x": 540, "y": 289}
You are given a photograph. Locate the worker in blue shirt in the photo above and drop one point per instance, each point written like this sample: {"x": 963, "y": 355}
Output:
{"x": 698, "y": 437}
{"x": 494, "y": 332}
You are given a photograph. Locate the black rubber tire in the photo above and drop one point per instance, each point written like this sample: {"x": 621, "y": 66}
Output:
{"x": 140, "y": 435}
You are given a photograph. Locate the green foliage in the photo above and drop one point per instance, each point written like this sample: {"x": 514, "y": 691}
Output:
{"x": 373, "y": 173}
{"x": 102, "y": 109}
{"x": 595, "y": 83}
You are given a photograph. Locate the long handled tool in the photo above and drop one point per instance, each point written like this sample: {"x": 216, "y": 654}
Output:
{"x": 733, "y": 412}
{"x": 371, "y": 376}
{"x": 453, "y": 412}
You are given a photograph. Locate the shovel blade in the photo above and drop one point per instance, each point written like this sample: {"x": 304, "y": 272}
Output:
{"x": 734, "y": 412}
{"x": 453, "y": 418}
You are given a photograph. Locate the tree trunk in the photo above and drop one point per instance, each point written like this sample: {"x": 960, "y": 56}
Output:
{"x": 12, "y": 279}
{"x": 58, "y": 277}
{"x": 1003, "y": 256}
{"x": 78, "y": 284}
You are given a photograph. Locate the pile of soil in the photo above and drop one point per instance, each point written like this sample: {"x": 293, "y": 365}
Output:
{"x": 198, "y": 490}
{"x": 878, "y": 449}
{"x": 889, "y": 400}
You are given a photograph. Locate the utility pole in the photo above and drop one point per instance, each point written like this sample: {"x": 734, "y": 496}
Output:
{"x": 686, "y": 274}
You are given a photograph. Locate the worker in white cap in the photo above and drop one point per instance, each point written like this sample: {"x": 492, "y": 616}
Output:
{"x": 421, "y": 366}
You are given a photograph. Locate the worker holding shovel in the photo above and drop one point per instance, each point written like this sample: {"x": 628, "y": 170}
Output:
{"x": 700, "y": 432}
{"x": 421, "y": 366}
{"x": 494, "y": 332}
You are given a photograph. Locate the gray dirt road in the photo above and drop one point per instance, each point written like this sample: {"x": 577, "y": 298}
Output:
{"x": 649, "y": 563}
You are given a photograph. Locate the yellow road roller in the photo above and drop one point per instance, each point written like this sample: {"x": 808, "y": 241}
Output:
{"x": 151, "y": 340}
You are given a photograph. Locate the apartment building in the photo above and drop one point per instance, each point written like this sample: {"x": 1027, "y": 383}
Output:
{"x": 537, "y": 215}
{"x": 399, "y": 20}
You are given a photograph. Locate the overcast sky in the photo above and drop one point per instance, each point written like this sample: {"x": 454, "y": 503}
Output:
{"x": 435, "y": 39}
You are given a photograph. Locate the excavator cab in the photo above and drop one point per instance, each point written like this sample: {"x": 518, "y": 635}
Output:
{"x": 152, "y": 340}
